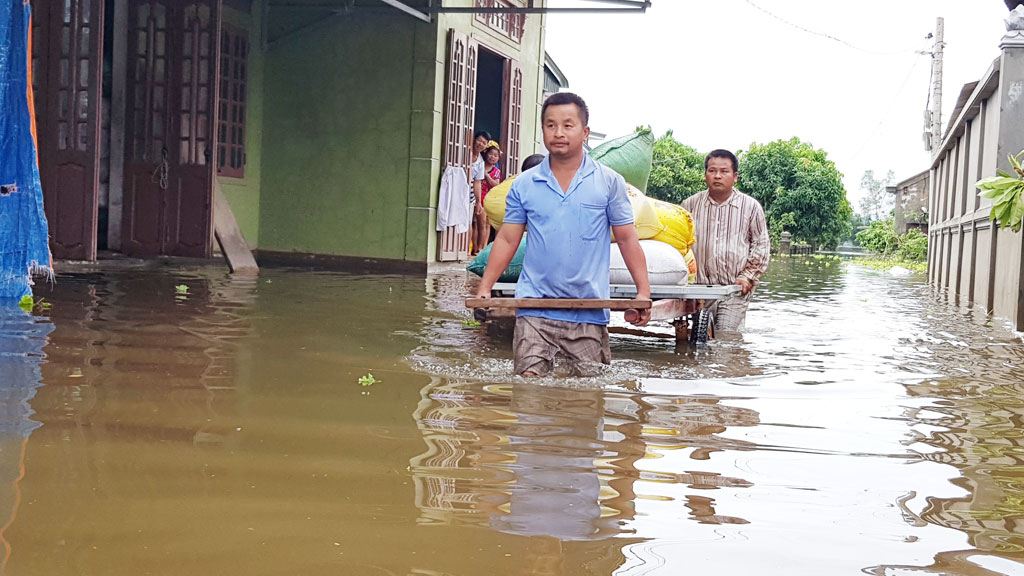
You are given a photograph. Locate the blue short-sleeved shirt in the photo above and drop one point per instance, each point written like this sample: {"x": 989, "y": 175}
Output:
{"x": 567, "y": 253}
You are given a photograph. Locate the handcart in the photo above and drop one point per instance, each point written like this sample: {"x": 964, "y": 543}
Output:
{"x": 684, "y": 306}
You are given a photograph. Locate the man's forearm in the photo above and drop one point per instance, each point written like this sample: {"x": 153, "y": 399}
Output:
{"x": 759, "y": 252}
{"x": 633, "y": 256}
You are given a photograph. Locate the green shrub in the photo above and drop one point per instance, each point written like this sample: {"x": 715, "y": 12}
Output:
{"x": 913, "y": 246}
{"x": 881, "y": 238}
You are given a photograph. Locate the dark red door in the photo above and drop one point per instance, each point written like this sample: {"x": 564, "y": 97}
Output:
{"x": 66, "y": 61}
{"x": 169, "y": 147}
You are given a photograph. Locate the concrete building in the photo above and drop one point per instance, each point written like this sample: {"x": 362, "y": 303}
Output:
{"x": 911, "y": 204}
{"x": 326, "y": 124}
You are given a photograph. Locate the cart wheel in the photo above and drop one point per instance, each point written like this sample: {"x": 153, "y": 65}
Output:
{"x": 703, "y": 327}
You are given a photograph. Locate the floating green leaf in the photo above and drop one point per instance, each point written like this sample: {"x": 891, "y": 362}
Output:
{"x": 470, "y": 323}
{"x": 26, "y": 303}
{"x": 368, "y": 380}
{"x": 181, "y": 288}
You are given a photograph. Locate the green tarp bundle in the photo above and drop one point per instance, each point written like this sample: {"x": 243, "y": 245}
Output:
{"x": 630, "y": 156}
{"x": 515, "y": 267}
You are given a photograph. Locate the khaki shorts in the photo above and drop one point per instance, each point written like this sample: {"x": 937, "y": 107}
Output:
{"x": 538, "y": 340}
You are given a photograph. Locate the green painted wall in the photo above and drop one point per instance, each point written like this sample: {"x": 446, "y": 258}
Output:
{"x": 352, "y": 124}
{"x": 337, "y": 125}
{"x": 243, "y": 194}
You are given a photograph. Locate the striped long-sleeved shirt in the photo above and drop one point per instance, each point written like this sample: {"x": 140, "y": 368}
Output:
{"x": 732, "y": 238}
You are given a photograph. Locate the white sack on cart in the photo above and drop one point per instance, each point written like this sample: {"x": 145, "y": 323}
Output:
{"x": 665, "y": 265}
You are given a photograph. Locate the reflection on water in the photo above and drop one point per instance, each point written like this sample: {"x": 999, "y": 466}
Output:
{"x": 22, "y": 338}
{"x": 536, "y": 460}
{"x": 860, "y": 425}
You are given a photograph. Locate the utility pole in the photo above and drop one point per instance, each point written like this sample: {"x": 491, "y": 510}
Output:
{"x": 933, "y": 124}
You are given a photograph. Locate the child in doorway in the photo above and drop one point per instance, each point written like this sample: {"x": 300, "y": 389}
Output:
{"x": 492, "y": 174}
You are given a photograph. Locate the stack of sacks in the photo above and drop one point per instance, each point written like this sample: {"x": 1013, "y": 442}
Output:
{"x": 629, "y": 155}
{"x": 645, "y": 216}
{"x": 665, "y": 230}
{"x": 673, "y": 228}
{"x": 656, "y": 222}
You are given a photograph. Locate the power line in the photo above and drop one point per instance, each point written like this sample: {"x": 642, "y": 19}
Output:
{"x": 887, "y": 110}
{"x": 825, "y": 35}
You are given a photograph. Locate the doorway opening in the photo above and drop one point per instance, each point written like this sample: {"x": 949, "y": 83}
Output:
{"x": 489, "y": 90}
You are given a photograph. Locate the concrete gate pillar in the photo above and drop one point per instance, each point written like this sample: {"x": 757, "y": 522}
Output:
{"x": 1011, "y": 119}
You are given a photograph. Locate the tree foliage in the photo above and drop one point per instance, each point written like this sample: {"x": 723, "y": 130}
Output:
{"x": 881, "y": 238}
{"x": 801, "y": 191}
{"x": 677, "y": 172}
{"x": 876, "y": 204}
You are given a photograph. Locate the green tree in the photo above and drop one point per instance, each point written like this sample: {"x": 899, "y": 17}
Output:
{"x": 677, "y": 172}
{"x": 801, "y": 191}
{"x": 876, "y": 204}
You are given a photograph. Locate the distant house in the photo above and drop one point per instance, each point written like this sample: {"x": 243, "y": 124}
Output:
{"x": 326, "y": 123}
{"x": 554, "y": 80}
{"x": 911, "y": 205}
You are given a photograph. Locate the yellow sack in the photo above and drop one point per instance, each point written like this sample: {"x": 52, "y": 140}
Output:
{"x": 691, "y": 266}
{"x": 494, "y": 202}
{"x": 645, "y": 219}
{"x": 678, "y": 226}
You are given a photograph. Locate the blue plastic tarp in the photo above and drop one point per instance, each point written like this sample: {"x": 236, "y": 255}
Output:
{"x": 24, "y": 250}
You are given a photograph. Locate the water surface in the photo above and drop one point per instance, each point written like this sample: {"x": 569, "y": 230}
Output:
{"x": 860, "y": 425}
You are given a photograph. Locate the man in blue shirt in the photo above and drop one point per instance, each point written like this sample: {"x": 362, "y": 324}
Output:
{"x": 569, "y": 203}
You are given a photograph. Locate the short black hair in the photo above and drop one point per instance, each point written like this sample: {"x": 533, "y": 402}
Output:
{"x": 722, "y": 154}
{"x": 560, "y": 98}
{"x": 483, "y": 133}
{"x": 531, "y": 161}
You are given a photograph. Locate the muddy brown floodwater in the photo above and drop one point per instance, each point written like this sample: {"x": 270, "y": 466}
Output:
{"x": 860, "y": 425}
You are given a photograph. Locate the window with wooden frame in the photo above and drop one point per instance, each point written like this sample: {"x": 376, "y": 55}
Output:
{"x": 234, "y": 56}
{"x": 508, "y": 25}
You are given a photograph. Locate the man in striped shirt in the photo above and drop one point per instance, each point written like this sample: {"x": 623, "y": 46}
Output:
{"x": 732, "y": 238}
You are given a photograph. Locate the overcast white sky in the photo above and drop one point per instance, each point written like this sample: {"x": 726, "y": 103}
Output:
{"x": 724, "y": 73}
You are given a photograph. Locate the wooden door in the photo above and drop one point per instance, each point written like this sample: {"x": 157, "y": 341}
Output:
{"x": 169, "y": 147}
{"x": 460, "y": 110}
{"x": 67, "y": 48}
{"x": 469, "y": 102}
{"x": 512, "y": 116}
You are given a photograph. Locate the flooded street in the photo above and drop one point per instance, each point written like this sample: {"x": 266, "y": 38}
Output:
{"x": 859, "y": 425}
